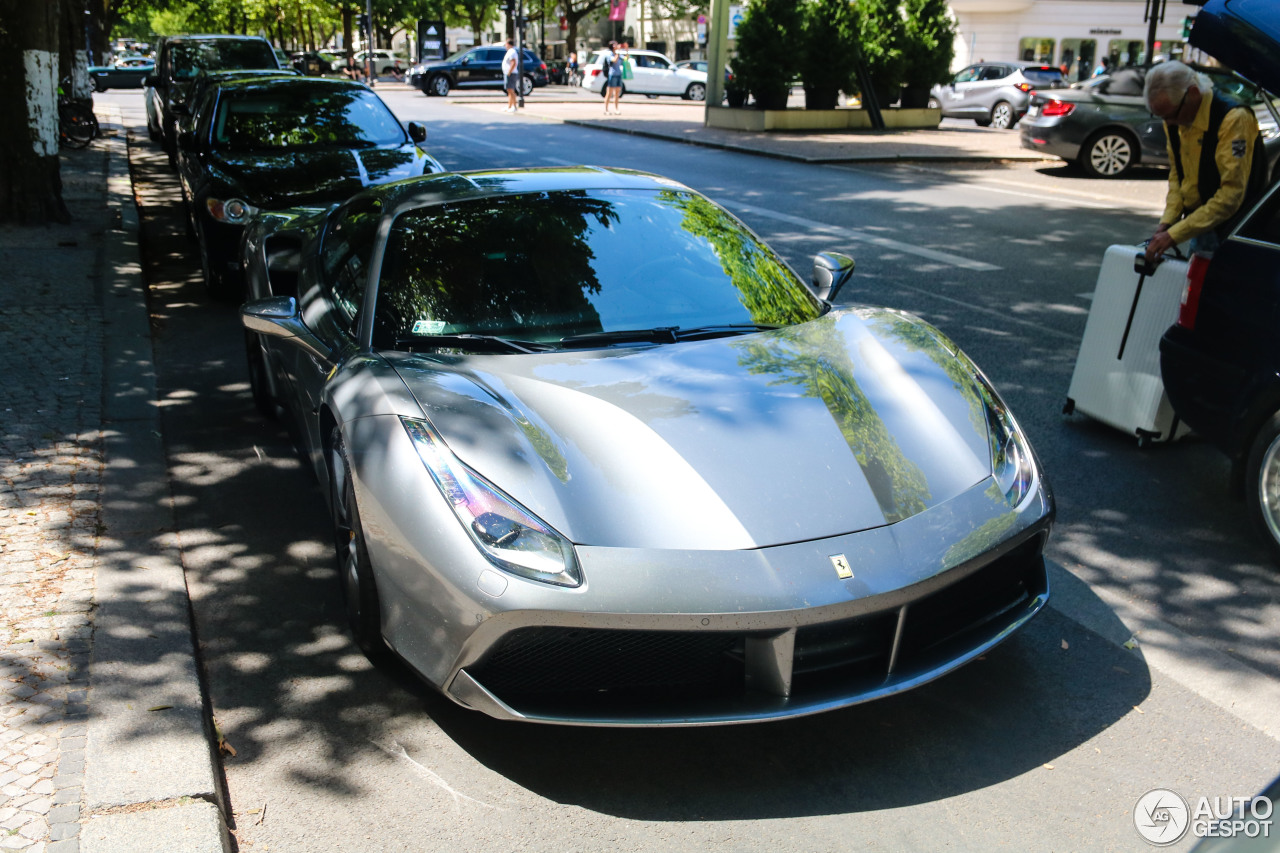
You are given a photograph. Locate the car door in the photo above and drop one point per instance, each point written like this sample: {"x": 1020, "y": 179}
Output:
{"x": 983, "y": 92}
{"x": 953, "y": 96}
{"x": 659, "y": 78}
{"x": 469, "y": 70}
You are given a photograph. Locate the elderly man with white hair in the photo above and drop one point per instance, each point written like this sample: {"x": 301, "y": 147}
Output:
{"x": 1215, "y": 157}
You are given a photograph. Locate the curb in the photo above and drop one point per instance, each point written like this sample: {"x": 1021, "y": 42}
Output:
{"x": 151, "y": 776}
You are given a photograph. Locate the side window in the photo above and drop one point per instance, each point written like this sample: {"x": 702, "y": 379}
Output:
{"x": 492, "y": 54}
{"x": 993, "y": 72}
{"x": 348, "y": 245}
{"x": 968, "y": 75}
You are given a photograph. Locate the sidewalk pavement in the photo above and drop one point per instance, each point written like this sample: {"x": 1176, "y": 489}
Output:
{"x": 106, "y": 740}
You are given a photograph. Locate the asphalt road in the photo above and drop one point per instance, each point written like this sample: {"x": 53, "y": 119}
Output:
{"x": 1045, "y": 744}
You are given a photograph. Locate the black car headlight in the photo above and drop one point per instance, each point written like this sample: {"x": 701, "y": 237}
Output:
{"x": 234, "y": 211}
{"x": 511, "y": 537}
{"x": 1012, "y": 462}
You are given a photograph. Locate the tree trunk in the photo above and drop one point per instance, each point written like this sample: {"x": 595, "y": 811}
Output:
{"x": 73, "y": 55}
{"x": 30, "y": 178}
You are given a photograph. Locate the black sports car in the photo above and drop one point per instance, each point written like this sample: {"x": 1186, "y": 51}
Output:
{"x": 262, "y": 143}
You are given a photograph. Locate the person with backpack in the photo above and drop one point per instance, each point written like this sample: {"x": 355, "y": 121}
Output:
{"x": 1217, "y": 164}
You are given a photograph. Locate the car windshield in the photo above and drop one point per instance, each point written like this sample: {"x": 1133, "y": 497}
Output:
{"x": 1044, "y": 76}
{"x": 273, "y": 117}
{"x": 546, "y": 266}
{"x": 189, "y": 57}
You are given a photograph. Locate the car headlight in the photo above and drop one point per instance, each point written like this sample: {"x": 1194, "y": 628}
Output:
{"x": 235, "y": 211}
{"x": 1012, "y": 463}
{"x": 511, "y": 538}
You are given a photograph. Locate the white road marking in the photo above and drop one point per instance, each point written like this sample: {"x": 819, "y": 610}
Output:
{"x": 475, "y": 140}
{"x": 863, "y": 237}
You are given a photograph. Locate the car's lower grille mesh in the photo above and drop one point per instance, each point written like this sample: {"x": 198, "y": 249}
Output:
{"x": 541, "y": 660}
{"x": 567, "y": 668}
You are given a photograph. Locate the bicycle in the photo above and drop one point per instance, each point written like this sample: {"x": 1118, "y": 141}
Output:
{"x": 77, "y": 125}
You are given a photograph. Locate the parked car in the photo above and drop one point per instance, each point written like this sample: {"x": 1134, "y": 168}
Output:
{"x": 259, "y": 143}
{"x": 181, "y": 58}
{"x": 994, "y": 94}
{"x": 123, "y": 75}
{"x": 206, "y": 80}
{"x": 701, "y": 65}
{"x": 1221, "y": 361}
{"x": 384, "y": 61}
{"x": 528, "y": 395}
{"x": 1103, "y": 124}
{"x": 476, "y": 68}
{"x": 653, "y": 75}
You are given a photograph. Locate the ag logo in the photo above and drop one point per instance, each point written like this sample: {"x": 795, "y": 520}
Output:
{"x": 1161, "y": 817}
{"x": 843, "y": 569}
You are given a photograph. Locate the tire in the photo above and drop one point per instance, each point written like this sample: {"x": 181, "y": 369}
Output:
{"x": 216, "y": 282}
{"x": 982, "y": 122}
{"x": 77, "y": 125}
{"x": 1003, "y": 115}
{"x": 696, "y": 92}
{"x": 99, "y": 85}
{"x": 438, "y": 86}
{"x": 259, "y": 382}
{"x": 1108, "y": 154}
{"x": 355, "y": 573}
{"x": 526, "y": 85}
{"x": 1262, "y": 484}
{"x": 933, "y": 104}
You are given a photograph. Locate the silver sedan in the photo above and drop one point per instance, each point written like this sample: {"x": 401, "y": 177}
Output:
{"x": 596, "y": 455}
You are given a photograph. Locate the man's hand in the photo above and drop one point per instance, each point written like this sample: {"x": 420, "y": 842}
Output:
{"x": 1160, "y": 243}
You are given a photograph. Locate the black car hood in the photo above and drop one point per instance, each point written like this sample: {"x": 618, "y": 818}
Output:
{"x": 296, "y": 178}
{"x": 1243, "y": 34}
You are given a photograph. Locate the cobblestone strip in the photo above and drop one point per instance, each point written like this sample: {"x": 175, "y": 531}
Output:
{"x": 50, "y": 474}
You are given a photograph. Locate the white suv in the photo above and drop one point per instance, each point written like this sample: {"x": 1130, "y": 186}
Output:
{"x": 652, "y": 74}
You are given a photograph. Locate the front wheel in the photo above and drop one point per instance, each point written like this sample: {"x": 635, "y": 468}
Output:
{"x": 1108, "y": 155}
{"x": 933, "y": 104}
{"x": 1003, "y": 116}
{"x": 355, "y": 573}
{"x": 1262, "y": 478}
{"x": 696, "y": 92}
{"x": 439, "y": 86}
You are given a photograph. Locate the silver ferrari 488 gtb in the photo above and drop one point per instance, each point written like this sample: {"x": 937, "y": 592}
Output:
{"x": 596, "y": 455}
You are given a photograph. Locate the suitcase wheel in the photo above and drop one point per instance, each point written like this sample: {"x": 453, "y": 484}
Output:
{"x": 1145, "y": 437}
{"x": 1070, "y": 407}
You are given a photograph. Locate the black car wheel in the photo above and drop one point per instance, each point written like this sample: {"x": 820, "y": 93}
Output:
{"x": 1108, "y": 154}
{"x": 216, "y": 284}
{"x": 259, "y": 382}
{"x": 438, "y": 85}
{"x": 359, "y": 592}
{"x": 696, "y": 92}
{"x": 526, "y": 85}
{"x": 1003, "y": 115}
{"x": 99, "y": 85}
{"x": 1263, "y": 483}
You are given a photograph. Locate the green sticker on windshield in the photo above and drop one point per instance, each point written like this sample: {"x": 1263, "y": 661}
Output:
{"x": 428, "y": 327}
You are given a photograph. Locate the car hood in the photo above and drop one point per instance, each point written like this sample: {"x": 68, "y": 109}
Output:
{"x": 298, "y": 178}
{"x": 855, "y": 420}
{"x": 1243, "y": 34}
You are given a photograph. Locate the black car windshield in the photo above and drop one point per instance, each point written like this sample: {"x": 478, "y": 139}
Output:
{"x": 266, "y": 118}
{"x": 190, "y": 57}
{"x": 546, "y": 266}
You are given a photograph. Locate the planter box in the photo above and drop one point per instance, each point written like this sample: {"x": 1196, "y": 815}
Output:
{"x": 846, "y": 118}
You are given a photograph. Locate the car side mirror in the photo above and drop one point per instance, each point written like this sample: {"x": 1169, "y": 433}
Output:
{"x": 278, "y": 317}
{"x": 152, "y": 81}
{"x": 417, "y": 132}
{"x": 831, "y": 271}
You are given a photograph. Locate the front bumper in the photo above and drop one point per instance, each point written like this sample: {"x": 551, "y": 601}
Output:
{"x": 658, "y": 637}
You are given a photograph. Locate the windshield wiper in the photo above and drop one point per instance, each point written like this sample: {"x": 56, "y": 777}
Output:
{"x": 660, "y": 334}
{"x": 722, "y": 330}
{"x": 478, "y": 343}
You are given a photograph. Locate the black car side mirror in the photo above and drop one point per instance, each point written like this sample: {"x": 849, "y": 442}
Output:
{"x": 417, "y": 132}
{"x": 831, "y": 271}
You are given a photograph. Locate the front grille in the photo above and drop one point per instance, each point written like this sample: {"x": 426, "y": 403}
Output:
{"x": 583, "y": 670}
{"x": 533, "y": 661}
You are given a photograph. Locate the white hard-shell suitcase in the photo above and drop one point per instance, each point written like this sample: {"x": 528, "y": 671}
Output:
{"x": 1117, "y": 376}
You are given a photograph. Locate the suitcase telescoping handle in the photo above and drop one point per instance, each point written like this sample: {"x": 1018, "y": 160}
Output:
{"x": 1143, "y": 267}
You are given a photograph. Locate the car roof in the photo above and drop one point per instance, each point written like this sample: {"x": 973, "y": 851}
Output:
{"x": 445, "y": 187}
{"x": 213, "y": 37}
{"x": 274, "y": 80}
